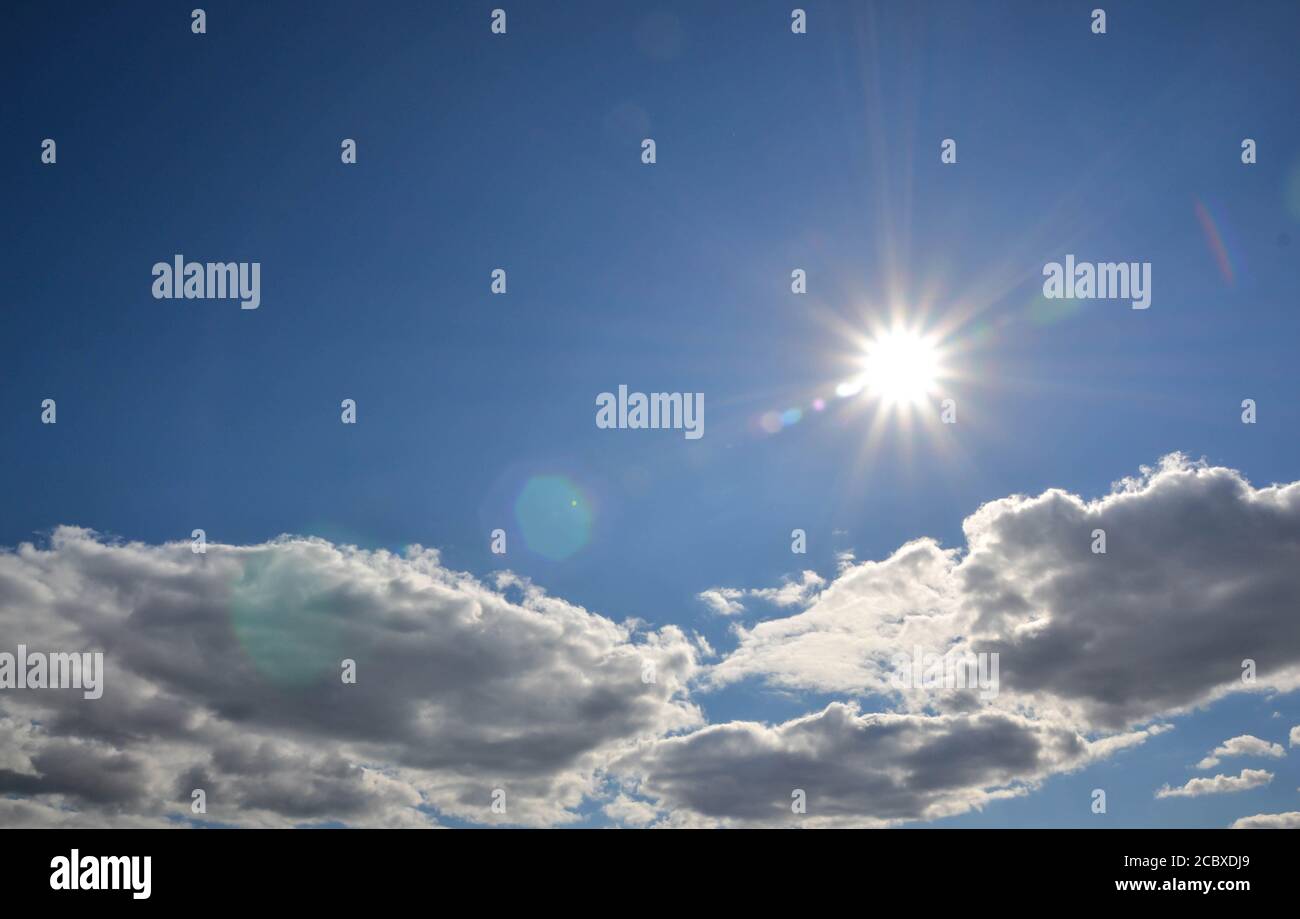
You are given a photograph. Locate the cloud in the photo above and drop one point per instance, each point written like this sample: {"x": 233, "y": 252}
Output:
{"x": 1295, "y": 736}
{"x": 1198, "y": 577}
{"x": 794, "y": 591}
{"x": 1244, "y": 745}
{"x": 222, "y": 672}
{"x": 725, "y": 601}
{"x": 1220, "y": 784}
{"x": 1288, "y": 821}
{"x": 630, "y": 812}
{"x": 844, "y": 641}
{"x": 855, "y": 769}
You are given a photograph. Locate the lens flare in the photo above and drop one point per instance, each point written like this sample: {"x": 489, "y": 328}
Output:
{"x": 289, "y": 626}
{"x": 554, "y": 516}
{"x": 1214, "y": 239}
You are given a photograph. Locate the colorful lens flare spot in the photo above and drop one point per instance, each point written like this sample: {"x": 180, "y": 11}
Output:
{"x": 1043, "y": 311}
{"x": 289, "y": 626}
{"x": 1214, "y": 239}
{"x": 554, "y": 516}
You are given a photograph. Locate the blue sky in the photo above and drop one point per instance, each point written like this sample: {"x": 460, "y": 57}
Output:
{"x": 775, "y": 152}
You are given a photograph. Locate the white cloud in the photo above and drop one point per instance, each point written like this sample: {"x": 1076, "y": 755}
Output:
{"x": 844, "y": 641}
{"x": 1220, "y": 784}
{"x": 631, "y": 812}
{"x": 1295, "y": 736}
{"x": 223, "y": 673}
{"x": 1288, "y": 821}
{"x": 725, "y": 601}
{"x": 1244, "y": 745}
{"x": 1198, "y": 577}
{"x": 794, "y": 592}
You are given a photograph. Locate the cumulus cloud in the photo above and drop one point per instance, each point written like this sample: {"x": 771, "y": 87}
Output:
{"x": 1220, "y": 784}
{"x": 1295, "y": 735}
{"x": 222, "y": 672}
{"x": 1288, "y": 821}
{"x": 854, "y": 769}
{"x": 843, "y": 643}
{"x": 1198, "y": 577}
{"x": 1244, "y": 745}
{"x": 630, "y": 812}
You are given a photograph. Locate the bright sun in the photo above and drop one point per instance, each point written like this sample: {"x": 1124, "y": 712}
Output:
{"x": 900, "y": 368}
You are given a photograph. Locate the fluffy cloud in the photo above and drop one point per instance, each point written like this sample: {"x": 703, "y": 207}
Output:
{"x": 725, "y": 601}
{"x": 1288, "y": 821}
{"x": 1220, "y": 784}
{"x": 845, "y": 641}
{"x": 630, "y": 812}
{"x": 1244, "y": 745}
{"x": 1198, "y": 577}
{"x": 854, "y": 769}
{"x": 794, "y": 592}
{"x": 223, "y": 673}
{"x": 1295, "y": 736}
